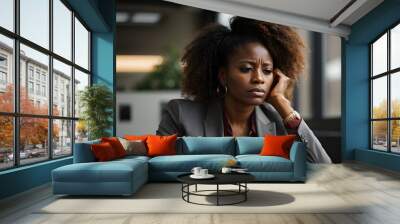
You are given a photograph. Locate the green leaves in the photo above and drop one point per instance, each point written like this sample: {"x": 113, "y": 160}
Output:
{"x": 167, "y": 75}
{"x": 96, "y": 102}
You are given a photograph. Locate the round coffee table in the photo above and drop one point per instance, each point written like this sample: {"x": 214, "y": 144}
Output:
{"x": 238, "y": 179}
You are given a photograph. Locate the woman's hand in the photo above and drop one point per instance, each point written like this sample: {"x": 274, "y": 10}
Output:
{"x": 277, "y": 94}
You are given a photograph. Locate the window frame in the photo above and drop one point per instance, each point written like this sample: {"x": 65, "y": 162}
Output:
{"x": 388, "y": 74}
{"x": 16, "y": 114}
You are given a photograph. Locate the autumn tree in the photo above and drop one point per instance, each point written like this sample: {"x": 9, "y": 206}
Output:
{"x": 33, "y": 131}
{"x": 380, "y": 127}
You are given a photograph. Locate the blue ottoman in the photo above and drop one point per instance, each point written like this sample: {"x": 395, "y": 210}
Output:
{"x": 119, "y": 177}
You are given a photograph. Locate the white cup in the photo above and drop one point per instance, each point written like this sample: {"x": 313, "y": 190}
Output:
{"x": 196, "y": 170}
{"x": 226, "y": 170}
{"x": 203, "y": 172}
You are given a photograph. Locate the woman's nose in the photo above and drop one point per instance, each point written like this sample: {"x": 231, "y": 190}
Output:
{"x": 257, "y": 76}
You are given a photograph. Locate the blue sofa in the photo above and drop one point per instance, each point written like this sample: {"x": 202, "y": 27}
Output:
{"x": 126, "y": 175}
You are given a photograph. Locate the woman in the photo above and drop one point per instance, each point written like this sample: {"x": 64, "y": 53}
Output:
{"x": 239, "y": 82}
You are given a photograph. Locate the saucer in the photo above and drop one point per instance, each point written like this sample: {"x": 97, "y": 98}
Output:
{"x": 208, "y": 176}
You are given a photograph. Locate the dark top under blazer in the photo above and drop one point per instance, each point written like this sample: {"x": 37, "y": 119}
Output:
{"x": 190, "y": 118}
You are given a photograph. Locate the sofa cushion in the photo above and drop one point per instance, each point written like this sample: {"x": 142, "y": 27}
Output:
{"x": 257, "y": 163}
{"x": 185, "y": 163}
{"x": 116, "y": 145}
{"x": 206, "y": 145}
{"x": 161, "y": 145}
{"x": 249, "y": 145}
{"x": 277, "y": 145}
{"x": 103, "y": 152}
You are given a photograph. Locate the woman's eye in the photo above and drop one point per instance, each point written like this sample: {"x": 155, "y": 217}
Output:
{"x": 267, "y": 71}
{"x": 245, "y": 69}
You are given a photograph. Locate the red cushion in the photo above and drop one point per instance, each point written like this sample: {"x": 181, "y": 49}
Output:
{"x": 116, "y": 145}
{"x": 161, "y": 145}
{"x": 103, "y": 151}
{"x": 277, "y": 145}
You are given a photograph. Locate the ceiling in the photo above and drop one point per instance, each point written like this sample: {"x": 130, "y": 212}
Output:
{"x": 325, "y": 16}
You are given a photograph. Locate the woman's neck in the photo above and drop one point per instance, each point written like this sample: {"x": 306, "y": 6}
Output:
{"x": 237, "y": 113}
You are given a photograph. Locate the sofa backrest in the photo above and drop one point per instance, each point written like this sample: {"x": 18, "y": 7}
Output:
{"x": 249, "y": 145}
{"x": 206, "y": 145}
{"x": 83, "y": 152}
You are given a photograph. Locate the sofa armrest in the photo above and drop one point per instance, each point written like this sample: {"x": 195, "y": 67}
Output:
{"x": 298, "y": 157}
{"x": 83, "y": 152}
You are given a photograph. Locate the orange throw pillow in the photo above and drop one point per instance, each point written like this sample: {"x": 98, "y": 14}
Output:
{"x": 103, "y": 151}
{"x": 116, "y": 145}
{"x": 277, "y": 145}
{"x": 161, "y": 145}
{"x": 136, "y": 137}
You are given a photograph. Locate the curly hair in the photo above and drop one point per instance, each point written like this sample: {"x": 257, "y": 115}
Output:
{"x": 212, "y": 47}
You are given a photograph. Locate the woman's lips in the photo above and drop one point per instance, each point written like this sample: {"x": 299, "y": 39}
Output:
{"x": 256, "y": 93}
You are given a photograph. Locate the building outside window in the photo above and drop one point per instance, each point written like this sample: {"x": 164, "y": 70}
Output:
{"x": 385, "y": 95}
{"x": 56, "y": 134}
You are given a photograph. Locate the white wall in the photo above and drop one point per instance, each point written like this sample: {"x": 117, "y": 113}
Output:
{"x": 145, "y": 110}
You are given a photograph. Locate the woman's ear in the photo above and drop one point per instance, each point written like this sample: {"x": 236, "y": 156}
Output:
{"x": 222, "y": 77}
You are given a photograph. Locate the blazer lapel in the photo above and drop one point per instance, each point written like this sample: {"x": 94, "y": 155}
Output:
{"x": 213, "y": 125}
{"x": 263, "y": 124}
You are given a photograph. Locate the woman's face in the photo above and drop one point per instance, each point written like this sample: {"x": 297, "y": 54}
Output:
{"x": 249, "y": 74}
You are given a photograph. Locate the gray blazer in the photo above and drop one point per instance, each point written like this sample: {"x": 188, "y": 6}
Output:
{"x": 189, "y": 118}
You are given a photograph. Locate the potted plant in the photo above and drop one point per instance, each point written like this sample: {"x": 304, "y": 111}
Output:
{"x": 96, "y": 103}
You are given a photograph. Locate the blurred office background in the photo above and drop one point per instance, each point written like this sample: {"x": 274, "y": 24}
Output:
{"x": 150, "y": 39}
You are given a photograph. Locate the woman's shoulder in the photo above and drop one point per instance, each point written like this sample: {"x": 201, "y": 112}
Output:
{"x": 181, "y": 103}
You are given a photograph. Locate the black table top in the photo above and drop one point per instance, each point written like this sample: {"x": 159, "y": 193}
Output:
{"x": 220, "y": 178}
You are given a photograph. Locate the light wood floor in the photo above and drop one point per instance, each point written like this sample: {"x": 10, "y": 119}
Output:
{"x": 378, "y": 188}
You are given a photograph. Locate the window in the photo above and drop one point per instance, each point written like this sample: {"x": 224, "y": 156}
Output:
{"x": 37, "y": 74}
{"x": 43, "y": 90}
{"x": 3, "y": 61}
{"x": 30, "y": 72}
{"x": 41, "y": 83}
{"x": 3, "y": 72}
{"x": 38, "y": 89}
{"x": 30, "y": 87}
{"x": 385, "y": 97}
{"x": 3, "y": 78}
{"x": 7, "y": 14}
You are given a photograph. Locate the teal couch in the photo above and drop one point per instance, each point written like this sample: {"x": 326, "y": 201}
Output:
{"x": 125, "y": 176}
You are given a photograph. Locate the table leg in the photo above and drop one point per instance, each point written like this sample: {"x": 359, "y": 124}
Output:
{"x": 196, "y": 188}
{"x": 217, "y": 194}
{"x": 245, "y": 193}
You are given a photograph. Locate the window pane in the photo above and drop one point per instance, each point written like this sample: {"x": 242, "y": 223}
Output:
{"x": 379, "y": 55}
{"x": 62, "y": 89}
{"x": 62, "y": 138}
{"x": 379, "y": 135}
{"x": 7, "y": 14}
{"x": 395, "y": 138}
{"x": 6, "y": 74}
{"x": 81, "y": 131}
{"x": 379, "y": 97}
{"x": 81, "y": 81}
{"x": 34, "y": 72}
{"x": 81, "y": 45}
{"x": 395, "y": 47}
{"x": 395, "y": 94}
{"x": 33, "y": 139}
{"x": 6, "y": 142}
{"x": 35, "y": 21}
{"x": 62, "y": 29}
